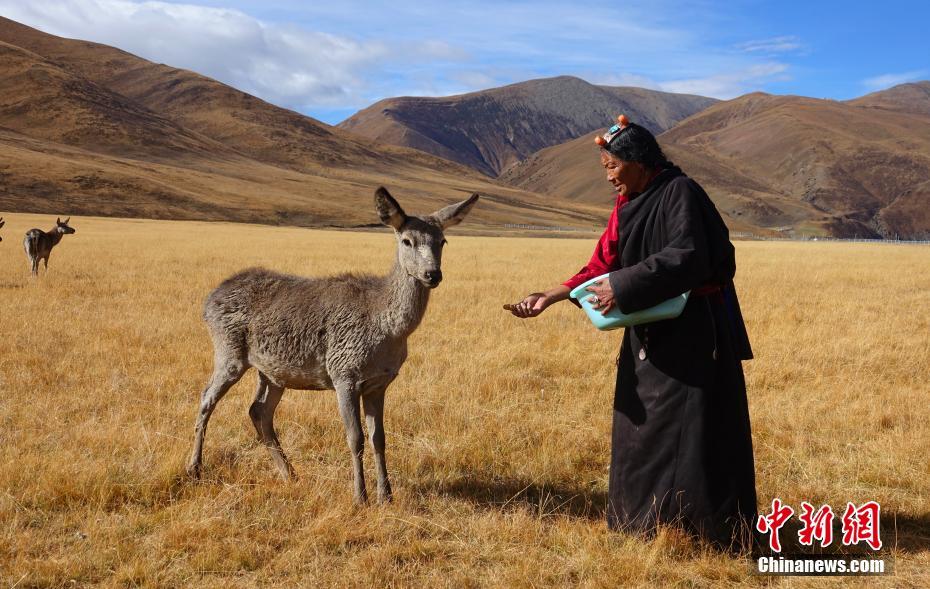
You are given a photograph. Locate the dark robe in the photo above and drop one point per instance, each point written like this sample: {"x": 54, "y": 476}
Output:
{"x": 681, "y": 443}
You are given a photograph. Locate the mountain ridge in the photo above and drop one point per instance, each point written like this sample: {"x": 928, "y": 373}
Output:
{"x": 819, "y": 166}
{"x": 490, "y": 130}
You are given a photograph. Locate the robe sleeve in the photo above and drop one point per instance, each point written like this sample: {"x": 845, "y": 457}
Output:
{"x": 680, "y": 265}
{"x": 605, "y": 257}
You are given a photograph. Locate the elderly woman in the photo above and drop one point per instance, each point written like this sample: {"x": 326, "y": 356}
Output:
{"x": 681, "y": 443}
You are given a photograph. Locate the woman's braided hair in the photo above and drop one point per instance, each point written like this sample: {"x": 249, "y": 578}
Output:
{"x": 634, "y": 143}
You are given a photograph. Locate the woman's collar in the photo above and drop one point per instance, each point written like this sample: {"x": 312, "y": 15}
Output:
{"x": 649, "y": 183}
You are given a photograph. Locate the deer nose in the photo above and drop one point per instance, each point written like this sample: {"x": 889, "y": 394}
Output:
{"x": 434, "y": 277}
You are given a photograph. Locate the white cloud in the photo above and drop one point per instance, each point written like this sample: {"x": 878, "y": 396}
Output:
{"x": 889, "y": 80}
{"x": 736, "y": 81}
{"x": 731, "y": 84}
{"x": 371, "y": 52}
{"x": 283, "y": 64}
{"x": 626, "y": 79}
{"x": 475, "y": 79}
{"x": 774, "y": 45}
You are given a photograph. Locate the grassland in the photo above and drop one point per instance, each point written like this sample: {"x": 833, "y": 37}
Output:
{"x": 498, "y": 429}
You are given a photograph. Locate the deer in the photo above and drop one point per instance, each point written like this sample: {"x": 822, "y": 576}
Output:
{"x": 2, "y": 223}
{"x": 346, "y": 333}
{"x": 38, "y": 244}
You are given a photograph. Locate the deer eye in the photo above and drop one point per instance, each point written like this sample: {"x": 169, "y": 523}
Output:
{"x": 406, "y": 242}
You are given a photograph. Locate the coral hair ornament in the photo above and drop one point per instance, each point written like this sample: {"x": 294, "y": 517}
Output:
{"x": 604, "y": 140}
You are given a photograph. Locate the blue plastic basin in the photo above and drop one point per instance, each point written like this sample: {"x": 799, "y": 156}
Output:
{"x": 615, "y": 319}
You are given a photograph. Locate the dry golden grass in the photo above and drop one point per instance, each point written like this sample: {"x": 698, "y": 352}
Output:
{"x": 498, "y": 430}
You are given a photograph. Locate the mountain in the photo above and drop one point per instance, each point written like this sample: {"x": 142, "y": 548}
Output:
{"x": 808, "y": 165}
{"x": 572, "y": 172}
{"x": 911, "y": 98}
{"x": 493, "y": 129}
{"x": 238, "y": 120}
{"x": 90, "y": 129}
{"x": 46, "y": 101}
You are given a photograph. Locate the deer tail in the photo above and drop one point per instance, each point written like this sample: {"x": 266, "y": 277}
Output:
{"x": 31, "y": 243}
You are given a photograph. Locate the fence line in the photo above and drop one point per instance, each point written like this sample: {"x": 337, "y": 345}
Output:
{"x": 746, "y": 235}
{"x": 543, "y": 227}
{"x": 734, "y": 234}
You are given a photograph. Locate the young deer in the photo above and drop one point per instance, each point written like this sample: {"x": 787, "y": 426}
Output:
{"x": 346, "y": 332}
{"x": 38, "y": 244}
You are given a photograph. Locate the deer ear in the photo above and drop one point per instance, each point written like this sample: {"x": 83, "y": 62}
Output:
{"x": 58, "y": 220}
{"x": 68, "y": 220}
{"x": 454, "y": 214}
{"x": 390, "y": 212}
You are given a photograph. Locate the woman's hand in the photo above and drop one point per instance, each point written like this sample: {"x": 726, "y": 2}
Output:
{"x": 535, "y": 303}
{"x": 604, "y": 296}
{"x": 531, "y": 305}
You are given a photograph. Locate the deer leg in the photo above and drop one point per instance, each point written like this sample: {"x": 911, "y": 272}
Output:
{"x": 348, "y": 398}
{"x": 255, "y": 410}
{"x": 35, "y": 266}
{"x": 262, "y": 413}
{"x": 374, "y": 419}
{"x": 45, "y": 259}
{"x": 225, "y": 375}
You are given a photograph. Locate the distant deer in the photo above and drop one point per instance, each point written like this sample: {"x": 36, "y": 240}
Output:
{"x": 347, "y": 333}
{"x": 2, "y": 223}
{"x": 38, "y": 244}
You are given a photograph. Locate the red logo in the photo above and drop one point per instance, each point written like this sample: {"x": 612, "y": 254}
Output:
{"x": 860, "y": 524}
{"x": 817, "y": 526}
{"x": 773, "y": 522}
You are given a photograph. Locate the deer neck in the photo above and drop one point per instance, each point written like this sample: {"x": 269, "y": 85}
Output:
{"x": 405, "y": 302}
{"x": 56, "y": 236}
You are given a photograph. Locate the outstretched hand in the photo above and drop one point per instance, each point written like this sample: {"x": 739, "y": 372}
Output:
{"x": 531, "y": 305}
{"x": 605, "y": 296}
{"x": 535, "y": 303}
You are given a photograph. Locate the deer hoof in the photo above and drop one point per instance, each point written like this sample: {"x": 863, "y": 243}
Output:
{"x": 193, "y": 471}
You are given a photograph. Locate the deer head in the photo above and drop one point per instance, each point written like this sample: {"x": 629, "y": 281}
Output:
{"x": 420, "y": 239}
{"x": 62, "y": 226}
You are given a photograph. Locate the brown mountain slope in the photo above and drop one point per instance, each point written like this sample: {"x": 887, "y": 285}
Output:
{"x": 86, "y": 128}
{"x": 817, "y": 166}
{"x": 46, "y": 177}
{"x": 572, "y": 172}
{"x": 238, "y": 120}
{"x": 493, "y": 129}
{"x": 45, "y": 101}
{"x": 912, "y": 98}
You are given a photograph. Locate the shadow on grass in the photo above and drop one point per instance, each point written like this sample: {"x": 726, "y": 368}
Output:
{"x": 909, "y": 534}
{"x": 542, "y": 499}
{"x": 179, "y": 484}
{"x": 13, "y": 285}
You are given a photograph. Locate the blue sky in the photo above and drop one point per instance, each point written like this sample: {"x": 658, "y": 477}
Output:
{"x": 329, "y": 59}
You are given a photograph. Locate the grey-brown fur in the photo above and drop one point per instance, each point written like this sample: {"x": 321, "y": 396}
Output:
{"x": 347, "y": 333}
{"x": 38, "y": 244}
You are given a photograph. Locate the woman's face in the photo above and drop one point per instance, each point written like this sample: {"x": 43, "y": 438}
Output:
{"x": 626, "y": 177}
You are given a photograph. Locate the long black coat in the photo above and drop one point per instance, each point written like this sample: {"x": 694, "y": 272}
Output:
{"x": 681, "y": 442}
